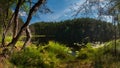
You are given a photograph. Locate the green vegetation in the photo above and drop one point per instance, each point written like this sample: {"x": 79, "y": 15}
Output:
{"x": 49, "y": 56}
{"x": 76, "y": 43}
{"x": 81, "y": 30}
{"x": 55, "y": 55}
{"x": 61, "y": 53}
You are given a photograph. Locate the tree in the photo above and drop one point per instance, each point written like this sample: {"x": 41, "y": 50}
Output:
{"x": 102, "y": 10}
{"x": 81, "y": 30}
{"x": 5, "y": 17}
{"x": 33, "y": 7}
{"x": 25, "y": 25}
{"x": 115, "y": 10}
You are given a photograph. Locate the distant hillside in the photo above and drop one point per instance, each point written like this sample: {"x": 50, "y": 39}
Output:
{"x": 76, "y": 30}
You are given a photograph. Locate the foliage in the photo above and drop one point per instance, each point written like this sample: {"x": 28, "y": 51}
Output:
{"x": 61, "y": 51}
{"x": 100, "y": 57}
{"x": 81, "y": 30}
{"x": 48, "y": 56}
{"x": 87, "y": 52}
{"x": 32, "y": 57}
{"x": 54, "y": 55}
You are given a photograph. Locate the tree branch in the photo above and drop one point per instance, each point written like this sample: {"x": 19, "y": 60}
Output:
{"x": 32, "y": 11}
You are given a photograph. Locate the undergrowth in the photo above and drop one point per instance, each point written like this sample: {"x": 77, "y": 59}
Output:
{"x": 49, "y": 56}
{"x": 56, "y": 55}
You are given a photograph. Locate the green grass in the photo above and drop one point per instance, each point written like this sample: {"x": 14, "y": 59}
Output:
{"x": 56, "y": 55}
{"x": 49, "y": 56}
{"x": 101, "y": 57}
{"x": 8, "y": 39}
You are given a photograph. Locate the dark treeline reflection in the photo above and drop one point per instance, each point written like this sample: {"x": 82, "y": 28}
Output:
{"x": 80, "y": 30}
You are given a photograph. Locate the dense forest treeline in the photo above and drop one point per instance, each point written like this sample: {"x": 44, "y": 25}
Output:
{"x": 81, "y": 30}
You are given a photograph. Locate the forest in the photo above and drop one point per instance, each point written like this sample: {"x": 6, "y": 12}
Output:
{"x": 50, "y": 34}
{"x": 82, "y": 30}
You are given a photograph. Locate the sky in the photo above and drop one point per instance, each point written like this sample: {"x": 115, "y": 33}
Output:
{"x": 62, "y": 10}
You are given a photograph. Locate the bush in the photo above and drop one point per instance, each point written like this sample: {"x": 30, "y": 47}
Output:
{"x": 48, "y": 56}
{"x": 33, "y": 57}
{"x": 86, "y": 53}
{"x": 61, "y": 51}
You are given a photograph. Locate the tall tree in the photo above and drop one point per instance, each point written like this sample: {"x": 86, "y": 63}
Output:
{"x": 5, "y": 14}
{"x": 33, "y": 7}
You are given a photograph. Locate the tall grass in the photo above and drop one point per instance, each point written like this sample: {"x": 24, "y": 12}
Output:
{"x": 48, "y": 56}
{"x": 102, "y": 57}
{"x": 56, "y": 55}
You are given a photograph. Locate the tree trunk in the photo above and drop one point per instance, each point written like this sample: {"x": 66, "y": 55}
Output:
{"x": 3, "y": 35}
{"x": 5, "y": 29}
{"x": 24, "y": 27}
{"x": 15, "y": 28}
{"x": 15, "y": 17}
{"x": 28, "y": 38}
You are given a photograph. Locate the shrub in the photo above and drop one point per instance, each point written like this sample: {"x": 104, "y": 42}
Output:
{"x": 86, "y": 53}
{"x": 48, "y": 56}
{"x": 33, "y": 57}
{"x": 61, "y": 51}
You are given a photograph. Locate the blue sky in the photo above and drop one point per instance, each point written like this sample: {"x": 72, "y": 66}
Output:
{"x": 62, "y": 10}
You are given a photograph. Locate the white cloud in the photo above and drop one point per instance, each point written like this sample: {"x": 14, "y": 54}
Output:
{"x": 68, "y": 11}
{"x": 101, "y": 0}
{"x": 64, "y": 14}
{"x": 22, "y": 13}
{"x": 96, "y": 0}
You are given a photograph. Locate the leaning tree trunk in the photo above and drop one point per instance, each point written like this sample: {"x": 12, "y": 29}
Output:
{"x": 15, "y": 28}
{"x": 24, "y": 27}
{"x": 28, "y": 38}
